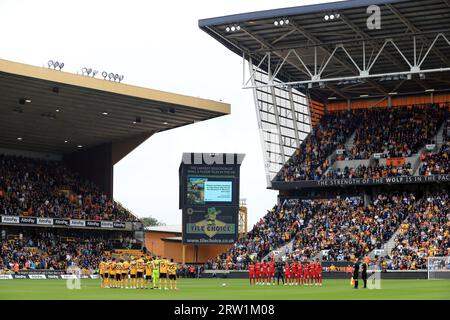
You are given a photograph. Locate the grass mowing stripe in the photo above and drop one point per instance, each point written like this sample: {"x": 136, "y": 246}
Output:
{"x": 207, "y": 289}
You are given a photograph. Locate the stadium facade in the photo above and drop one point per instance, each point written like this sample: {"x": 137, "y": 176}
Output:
{"x": 352, "y": 101}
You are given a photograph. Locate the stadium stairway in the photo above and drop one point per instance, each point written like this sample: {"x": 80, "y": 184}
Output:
{"x": 348, "y": 145}
{"x": 440, "y": 137}
{"x": 350, "y": 142}
{"x": 287, "y": 248}
{"x": 389, "y": 245}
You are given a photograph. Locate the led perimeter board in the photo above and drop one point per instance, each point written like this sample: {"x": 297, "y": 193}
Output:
{"x": 209, "y": 197}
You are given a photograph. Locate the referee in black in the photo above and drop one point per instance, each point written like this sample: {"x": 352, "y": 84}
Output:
{"x": 364, "y": 274}
{"x": 356, "y": 273}
{"x": 280, "y": 271}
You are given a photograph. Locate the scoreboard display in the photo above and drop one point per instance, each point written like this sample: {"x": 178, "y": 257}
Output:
{"x": 209, "y": 197}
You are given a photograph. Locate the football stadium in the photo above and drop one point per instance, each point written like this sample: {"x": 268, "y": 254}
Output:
{"x": 352, "y": 102}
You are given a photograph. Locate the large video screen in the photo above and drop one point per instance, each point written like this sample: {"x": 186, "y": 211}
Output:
{"x": 213, "y": 184}
{"x": 209, "y": 198}
{"x": 204, "y": 190}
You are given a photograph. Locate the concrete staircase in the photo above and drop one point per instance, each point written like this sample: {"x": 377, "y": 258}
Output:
{"x": 280, "y": 252}
{"x": 348, "y": 145}
{"x": 389, "y": 245}
{"x": 440, "y": 137}
{"x": 350, "y": 142}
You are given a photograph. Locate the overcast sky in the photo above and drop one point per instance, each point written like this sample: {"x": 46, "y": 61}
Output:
{"x": 155, "y": 44}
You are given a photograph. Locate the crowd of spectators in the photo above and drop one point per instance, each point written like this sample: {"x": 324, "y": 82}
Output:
{"x": 275, "y": 229}
{"x": 426, "y": 233}
{"x": 396, "y": 132}
{"x": 343, "y": 229}
{"x": 46, "y": 251}
{"x": 439, "y": 162}
{"x": 346, "y": 228}
{"x": 44, "y": 188}
{"x": 376, "y": 171}
{"x": 436, "y": 163}
{"x": 310, "y": 161}
{"x": 403, "y": 132}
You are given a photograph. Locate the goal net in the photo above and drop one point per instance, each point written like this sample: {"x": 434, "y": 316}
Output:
{"x": 438, "y": 268}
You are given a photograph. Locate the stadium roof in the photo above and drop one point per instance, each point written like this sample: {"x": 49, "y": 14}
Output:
{"x": 86, "y": 111}
{"x": 310, "y": 42}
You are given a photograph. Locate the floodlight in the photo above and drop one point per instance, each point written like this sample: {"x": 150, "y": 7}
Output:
{"x": 233, "y": 28}
{"x": 94, "y": 73}
{"x": 327, "y": 17}
{"x": 275, "y": 23}
{"x": 104, "y": 74}
{"x": 227, "y": 29}
{"x": 50, "y": 63}
{"x": 111, "y": 76}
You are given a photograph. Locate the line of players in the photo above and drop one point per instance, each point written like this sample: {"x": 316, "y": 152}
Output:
{"x": 141, "y": 273}
{"x": 291, "y": 273}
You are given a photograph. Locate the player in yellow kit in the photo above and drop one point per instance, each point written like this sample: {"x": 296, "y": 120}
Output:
{"x": 119, "y": 266}
{"x": 163, "y": 273}
{"x": 107, "y": 272}
{"x": 172, "y": 270}
{"x": 101, "y": 269}
{"x": 133, "y": 273}
{"x": 148, "y": 273}
{"x": 140, "y": 266}
{"x": 125, "y": 269}
{"x": 112, "y": 273}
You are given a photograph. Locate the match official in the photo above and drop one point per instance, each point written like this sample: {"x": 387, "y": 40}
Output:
{"x": 356, "y": 273}
{"x": 364, "y": 274}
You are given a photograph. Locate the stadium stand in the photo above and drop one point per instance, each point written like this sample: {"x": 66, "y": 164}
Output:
{"x": 347, "y": 228}
{"x": 404, "y": 132}
{"x": 439, "y": 162}
{"x": 48, "y": 252}
{"x": 44, "y": 188}
{"x": 275, "y": 229}
{"x": 376, "y": 171}
{"x": 310, "y": 161}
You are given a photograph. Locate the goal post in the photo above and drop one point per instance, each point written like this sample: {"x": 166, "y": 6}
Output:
{"x": 438, "y": 268}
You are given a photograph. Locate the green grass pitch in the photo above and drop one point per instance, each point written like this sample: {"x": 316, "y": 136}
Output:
{"x": 205, "y": 289}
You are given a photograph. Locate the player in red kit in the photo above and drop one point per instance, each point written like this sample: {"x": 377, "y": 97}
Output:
{"x": 294, "y": 276}
{"x": 318, "y": 272}
{"x": 251, "y": 273}
{"x": 300, "y": 273}
{"x": 257, "y": 272}
{"x": 287, "y": 273}
{"x": 312, "y": 272}
{"x": 272, "y": 271}
{"x": 265, "y": 272}
{"x": 306, "y": 273}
